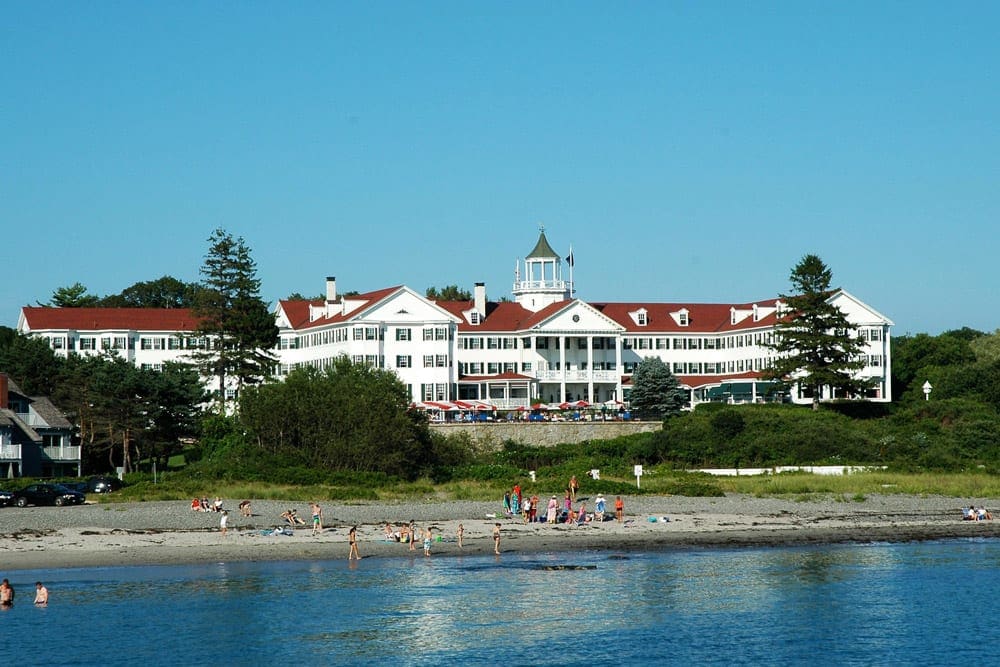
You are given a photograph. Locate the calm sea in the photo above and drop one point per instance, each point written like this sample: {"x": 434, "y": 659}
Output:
{"x": 883, "y": 604}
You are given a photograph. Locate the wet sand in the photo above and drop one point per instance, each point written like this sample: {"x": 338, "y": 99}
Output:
{"x": 169, "y": 533}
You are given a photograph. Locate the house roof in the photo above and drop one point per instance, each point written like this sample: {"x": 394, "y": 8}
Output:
{"x": 297, "y": 311}
{"x": 43, "y": 407}
{"x": 40, "y": 318}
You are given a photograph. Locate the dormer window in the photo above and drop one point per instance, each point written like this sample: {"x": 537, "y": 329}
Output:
{"x": 474, "y": 317}
{"x": 640, "y": 319}
{"x": 682, "y": 317}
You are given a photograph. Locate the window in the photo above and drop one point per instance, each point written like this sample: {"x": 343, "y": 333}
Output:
{"x": 525, "y": 366}
{"x": 492, "y": 368}
{"x": 441, "y": 361}
{"x": 372, "y": 333}
{"x": 58, "y": 343}
{"x": 662, "y": 343}
{"x": 682, "y": 318}
{"x": 640, "y": 318}
{"x": 526, "y": 343}
{"x": 88, "y": 343}
{"x": 599, "y": 343}
{"x": 359, "y": 333}
{"x": 492, "y": 343}
{"x": 174, "y": 343}
{"x": 105, "y": 343}
{"x": 510, "y": 367}
{"x": 403, "y": 361}
{"x": 875, "y": 334}
{"x": 403, "y": 334}
{"x": 474, "y": 317}
{"x": 428, "y": 361}
{"x": 581, "y": 343}
{"x": 510, "y": 343}
{"x": 875, "y": 360}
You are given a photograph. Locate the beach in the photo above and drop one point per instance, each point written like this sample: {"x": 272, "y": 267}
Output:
{"x": 169, "y": 532}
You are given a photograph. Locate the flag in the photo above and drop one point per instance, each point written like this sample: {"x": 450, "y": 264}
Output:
{"x": 569, "y": 259}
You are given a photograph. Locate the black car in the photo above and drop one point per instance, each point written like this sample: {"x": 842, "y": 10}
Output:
{"x": 5, "y": 498}
{"x": 103, "y": 484}
{"x": 47, "y": 494}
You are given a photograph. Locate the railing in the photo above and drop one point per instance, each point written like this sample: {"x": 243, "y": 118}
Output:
{"x": 10, "y": 452}
{"x": 578, "y": 376}
{"x": 31, "y": 419}
{"x": 71, "y": 453}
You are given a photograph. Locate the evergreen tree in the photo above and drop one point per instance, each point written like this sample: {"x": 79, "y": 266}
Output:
{"x": 236, "y": 324}
{"x": 813, "y": 341}
{"x": 656, "y": 392}
{"x": 74, "y": 296}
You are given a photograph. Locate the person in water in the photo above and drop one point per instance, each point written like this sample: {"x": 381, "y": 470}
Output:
{"x": 352, "y": 538}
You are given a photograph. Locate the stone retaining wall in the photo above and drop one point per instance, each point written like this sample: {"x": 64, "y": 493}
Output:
{"x": 547, "y": 434}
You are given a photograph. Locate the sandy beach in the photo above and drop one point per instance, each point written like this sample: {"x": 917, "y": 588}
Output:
{"x": 169, "y": 532}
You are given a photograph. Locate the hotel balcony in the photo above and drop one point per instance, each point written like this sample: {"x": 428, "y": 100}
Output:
{"x": 577, "y": 376}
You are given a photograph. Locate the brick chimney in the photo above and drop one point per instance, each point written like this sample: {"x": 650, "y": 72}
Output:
{"x": 4, "y": 391}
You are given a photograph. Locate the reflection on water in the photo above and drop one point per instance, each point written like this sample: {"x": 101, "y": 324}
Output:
{"x": 838, "y": 604}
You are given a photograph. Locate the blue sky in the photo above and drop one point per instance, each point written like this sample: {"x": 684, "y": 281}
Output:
{"x": 689, "y": 152}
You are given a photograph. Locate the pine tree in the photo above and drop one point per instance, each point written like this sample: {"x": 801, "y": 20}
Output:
{"x": 236, "y": 325}
{"x": 656, "y": 392}
{"x": 813, "y": 340}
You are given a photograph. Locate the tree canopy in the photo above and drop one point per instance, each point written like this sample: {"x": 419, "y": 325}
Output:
{"x": 813, "y": 341}
{"x": 656, "y": 392}
{"x": 349, "y": 417}
{"x": 448, "y": 293}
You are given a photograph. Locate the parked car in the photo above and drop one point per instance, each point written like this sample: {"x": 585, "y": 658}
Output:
{"x": 5, "y": 498}
{"x": 47, "y": 494}
{"x": 81, "y": 487}
{"x": 103, "y": 484}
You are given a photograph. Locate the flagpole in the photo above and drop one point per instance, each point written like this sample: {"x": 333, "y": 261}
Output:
{"x": 572, "y": 261}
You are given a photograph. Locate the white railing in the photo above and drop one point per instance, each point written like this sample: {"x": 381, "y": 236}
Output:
{"x": 578, "y": 376}
{"x": 10, "y": 452}
{"x": 31, "y": 419}
{"x": 62, "y": 453}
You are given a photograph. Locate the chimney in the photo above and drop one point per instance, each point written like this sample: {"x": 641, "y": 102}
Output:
{"x": 4, "y": 392}
{"x": 479, "y": 296}
{"x": 331, "y": 289}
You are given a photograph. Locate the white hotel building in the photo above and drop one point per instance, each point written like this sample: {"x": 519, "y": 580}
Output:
{"x": 541, "y": 345}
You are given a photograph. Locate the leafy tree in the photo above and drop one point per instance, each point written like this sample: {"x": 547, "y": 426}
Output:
{"x": 237, "y": 324}
{"x": 74, "y": 296}
{"x": 656, "y": 392}
{"x": 813, "y": 342}
{"x": 449, "y": 293}
{"x": 349, "y": 417}
{"x": 165, "y": 292}
{"x": 914, "y": 358}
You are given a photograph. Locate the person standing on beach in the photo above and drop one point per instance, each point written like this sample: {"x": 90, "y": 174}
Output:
{"x": 461, "y": 532}
{"x": 428, "y": 537}
{"x": 496, "y": 539}
{"x": 574, "y": 488}
{"x": 352, "y": 537}
{"x": 317, "y": 516}
{"x": 619, "y": 509}
{"x": 599, "y": 508}
{"x": 41, "y": 594}
{"x": 413, "y": 535}
{"x": 223, "y": 521}
{"x": 552, "y": 510}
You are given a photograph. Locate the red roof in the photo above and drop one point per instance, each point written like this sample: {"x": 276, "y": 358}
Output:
{"x": 297, "y": 311}
{"x": 40, "y": 318}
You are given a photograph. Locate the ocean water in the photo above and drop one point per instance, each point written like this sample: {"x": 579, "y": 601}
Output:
{"x": 931, "y": 603}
